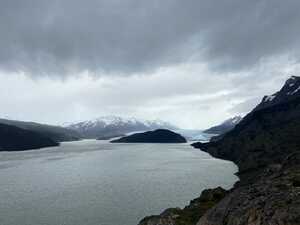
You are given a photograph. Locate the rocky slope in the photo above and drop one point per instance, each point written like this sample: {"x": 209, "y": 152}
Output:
{"x": 191, "y": 213}
{"x": 16, "y": 139}
{"x": 56, "y": 133}
{"x": 115, "y": 125}
{"x": 156, "y": 136}
{"x": 272, "y": 199}
{"x": 266, "y": 147}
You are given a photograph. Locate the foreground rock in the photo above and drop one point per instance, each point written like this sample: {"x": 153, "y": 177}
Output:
{"x": 157, "y": 136}
{"x": 191, "y": 213}
{"x": 274, "y": 199}
{"x": 17, "y": 139}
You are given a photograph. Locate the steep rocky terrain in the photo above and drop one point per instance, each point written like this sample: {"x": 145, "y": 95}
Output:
{"x": 156, "y": 136}
{"x": 266, "y": 147}
{"x": 16, "y": 139}
{"x": 191, "y": 213}
{"x": 272, "y": 199}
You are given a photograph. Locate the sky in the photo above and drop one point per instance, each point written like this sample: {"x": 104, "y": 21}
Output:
{"x": 193, "y": 63}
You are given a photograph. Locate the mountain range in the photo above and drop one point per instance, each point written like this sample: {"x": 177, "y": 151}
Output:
{"x": 114, "y": 126}
{"x": 20, "y": 135}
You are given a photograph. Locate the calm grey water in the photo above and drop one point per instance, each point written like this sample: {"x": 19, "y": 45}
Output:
{"x": 98, "y": 183}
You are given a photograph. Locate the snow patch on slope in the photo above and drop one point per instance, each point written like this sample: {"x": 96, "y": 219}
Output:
{"x": 269, "y": 98}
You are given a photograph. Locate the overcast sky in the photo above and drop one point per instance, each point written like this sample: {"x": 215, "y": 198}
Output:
{"x": 193, "y": 63}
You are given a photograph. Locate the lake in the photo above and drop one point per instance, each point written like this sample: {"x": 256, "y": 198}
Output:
{"x": 98, "y": 183}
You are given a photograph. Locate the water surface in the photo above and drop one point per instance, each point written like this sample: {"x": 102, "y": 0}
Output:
{"x": 98, "y": 183}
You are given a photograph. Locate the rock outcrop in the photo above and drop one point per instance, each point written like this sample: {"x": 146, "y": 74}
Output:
{"x": 273, "y": 199}
{"x": 191, "y": 213}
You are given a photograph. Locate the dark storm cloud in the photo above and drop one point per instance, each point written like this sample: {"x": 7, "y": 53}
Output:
{"x": 128, "y": 36}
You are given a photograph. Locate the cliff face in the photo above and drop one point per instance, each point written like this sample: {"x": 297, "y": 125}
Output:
{"x": 266, "y": 147}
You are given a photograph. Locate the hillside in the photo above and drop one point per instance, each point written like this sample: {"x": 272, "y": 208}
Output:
{"x": 56, "y": 133}
{"x": 16, "y": 139}
{"x": 268, "y": 134}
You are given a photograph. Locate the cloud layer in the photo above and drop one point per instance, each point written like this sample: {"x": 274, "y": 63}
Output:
{"x": 193, "y": 63}
{"x": 137, "y": 36}
{"x": 189, "y": 96}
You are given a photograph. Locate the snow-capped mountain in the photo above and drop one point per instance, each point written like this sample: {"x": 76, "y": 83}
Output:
{"x": 288, "y": 92}
{"x": 116, "y": 126}
{"x": 224, "y": 127}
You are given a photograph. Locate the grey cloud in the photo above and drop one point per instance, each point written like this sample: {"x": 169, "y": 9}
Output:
{"x": 245, "y": 107}
{"x": 135, "y": 36}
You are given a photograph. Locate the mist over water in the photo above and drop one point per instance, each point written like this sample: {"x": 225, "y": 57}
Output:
{"x": 97, "y": 183}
